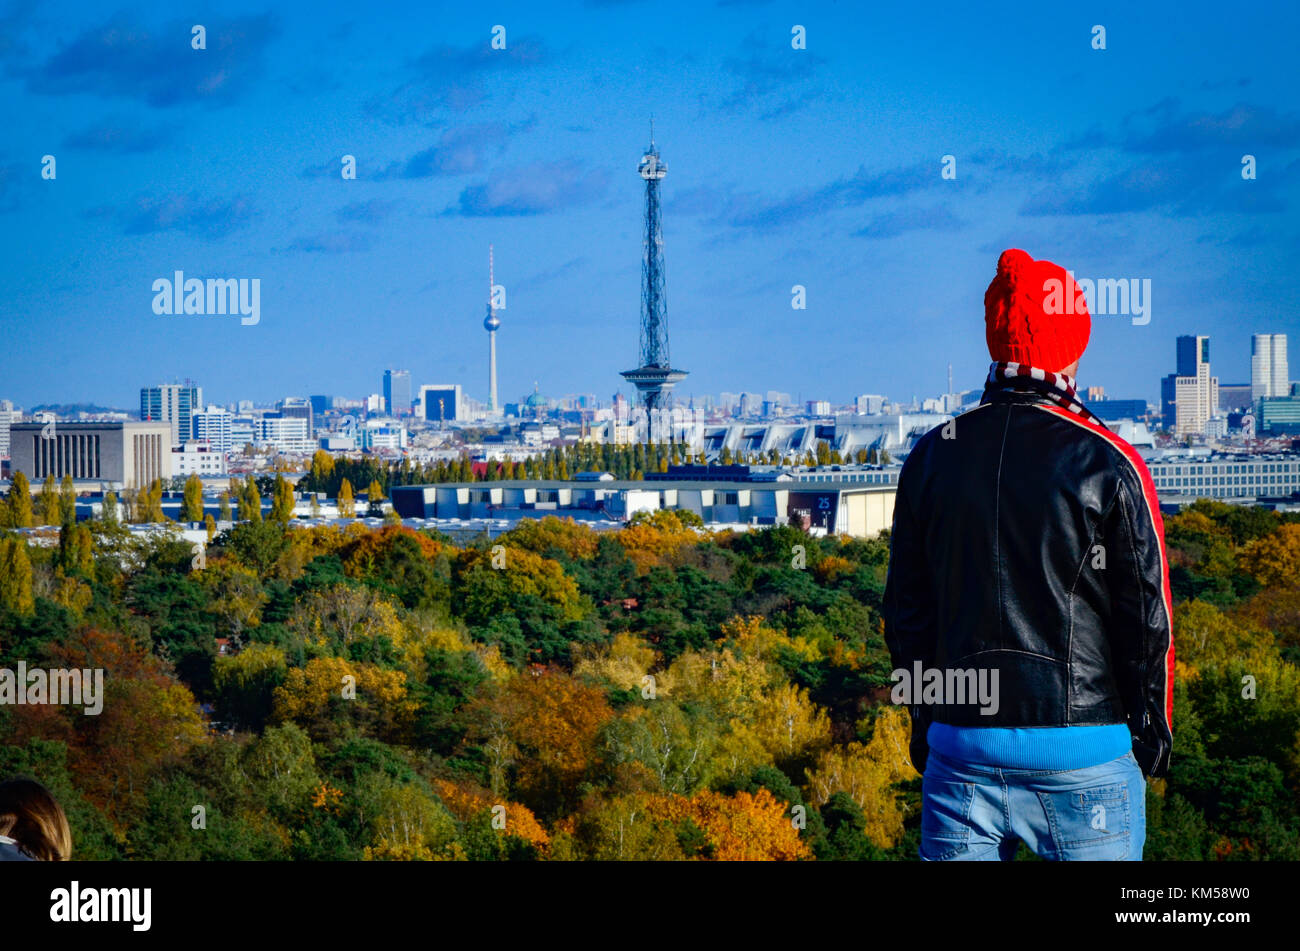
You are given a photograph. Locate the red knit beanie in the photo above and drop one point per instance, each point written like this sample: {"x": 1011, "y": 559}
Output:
{"x": 1034, "y": 313}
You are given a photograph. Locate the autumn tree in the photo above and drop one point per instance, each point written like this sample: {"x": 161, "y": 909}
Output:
{"x": 347, "y": 505}
{"x": 249, "y": 501}
{"x": 15, "y": 576}
{"x": 19, "y": 502}
{"x": 67, "y": 500}
{"x": 867, "y": 773}
{"x": 48, "y": 505}
{"x": 1274, "y": 560}
{"x": 192, "y": 503}
{"x": 553, "y": 721}
{"x": 282, "y": 502}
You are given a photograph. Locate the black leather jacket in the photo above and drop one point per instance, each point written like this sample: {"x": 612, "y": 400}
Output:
{"x": 1028, "y": 540}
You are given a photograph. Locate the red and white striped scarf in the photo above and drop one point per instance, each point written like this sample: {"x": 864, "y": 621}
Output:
{"x": 1058, "y": 387}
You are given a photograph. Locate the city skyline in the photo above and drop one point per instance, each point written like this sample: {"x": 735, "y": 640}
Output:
{"x": 1119, "y": 163}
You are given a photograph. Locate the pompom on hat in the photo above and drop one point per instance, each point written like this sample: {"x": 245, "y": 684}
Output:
{"x": 1035, "y": 314}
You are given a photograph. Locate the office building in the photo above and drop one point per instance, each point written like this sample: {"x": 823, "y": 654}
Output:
{"x": 286, "y": 434}
{"x": 198, "y": 458}
{"x": 1118, "y": 409}
{"x": 1222, "y": 476}
{"x": 214, "y": 427}
{"x": 1269, "y": 375}
{"x": 294, "y": 407}
{"x": 8, "y": 416}
{"x": 397, "y": 392}
{"x": 1196, "y": 394}
{"x": 1279, "y": 416}
{"x": 172, "y": 403}
{"x": 127, "y": 455}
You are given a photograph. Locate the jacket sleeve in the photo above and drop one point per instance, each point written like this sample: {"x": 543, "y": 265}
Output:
{"x": 909, "y": 620}
{"x": 1141, "y": 631}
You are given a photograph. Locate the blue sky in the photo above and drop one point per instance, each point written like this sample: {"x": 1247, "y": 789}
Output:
{"x": 818, "y": 167}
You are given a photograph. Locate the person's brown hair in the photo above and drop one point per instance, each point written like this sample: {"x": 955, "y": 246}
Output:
{"x": 34, "y": 819}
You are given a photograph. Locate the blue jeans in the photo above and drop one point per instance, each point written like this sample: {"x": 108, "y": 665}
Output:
{"x": 980, "y": 813}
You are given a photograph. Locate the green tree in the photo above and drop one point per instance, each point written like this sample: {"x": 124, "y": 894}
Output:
{"x": 77, "y": 551}
{"x": 67, "y": 501}
{"x": 223, "y": 507}
{"x": 192, "y": 504}
{"x": 108, "y": 510}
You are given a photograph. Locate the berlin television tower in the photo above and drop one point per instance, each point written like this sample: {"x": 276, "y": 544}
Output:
{"x": 491, "y": 323}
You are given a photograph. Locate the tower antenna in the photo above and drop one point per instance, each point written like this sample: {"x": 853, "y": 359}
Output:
{"x": 491, "y": 323}
{"x": 655, "y": 378}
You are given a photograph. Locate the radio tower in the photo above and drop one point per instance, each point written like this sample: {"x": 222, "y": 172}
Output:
{"x": 655, "y": 378}
{"x": 490, "y": 323}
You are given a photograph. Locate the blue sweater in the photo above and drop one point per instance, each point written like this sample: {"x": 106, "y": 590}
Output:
{"x": 1040, "y": 747}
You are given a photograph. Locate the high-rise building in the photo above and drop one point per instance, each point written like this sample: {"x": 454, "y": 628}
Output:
{"x": 213, "y": 426}
{"x": 295, "y": 407}
{"x": 1196, "y": 395}
{"x": 1188, "y": 355}
{"x": 172, "y": 403}
{"x": 397, "y": 392}
{"x": 8, "y": 416}
{"x": 320, "y": 405}
{"x": 1269, "y": 374}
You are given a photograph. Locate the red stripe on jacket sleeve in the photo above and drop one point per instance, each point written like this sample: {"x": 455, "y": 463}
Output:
{"x": 1153, "y": 511}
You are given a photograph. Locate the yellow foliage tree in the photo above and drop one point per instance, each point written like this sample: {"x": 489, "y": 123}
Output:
{"x": 624, "y": 663}
{"x": 867, "y": 773}
{"x": 331, "y": 686}
{"x": 1274, "y": 560}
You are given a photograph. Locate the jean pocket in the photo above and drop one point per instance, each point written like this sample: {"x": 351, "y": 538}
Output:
{"x": 945, "y": 817}
{"x": 1091, "y": 822}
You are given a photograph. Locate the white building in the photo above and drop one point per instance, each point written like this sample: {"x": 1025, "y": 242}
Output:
{"x": 7, "y": 415}
{"x": 213, "y": 426}
{"x": 382, "y": 434}
{"x": 284, "y": 434}
{"x": 198, "y": 458}
{"x": 1269, "y": 374}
